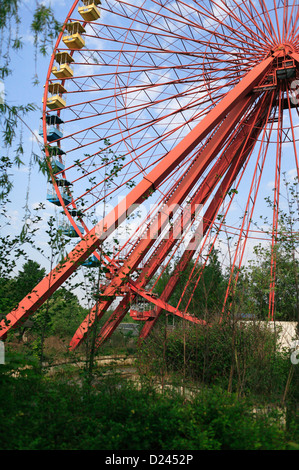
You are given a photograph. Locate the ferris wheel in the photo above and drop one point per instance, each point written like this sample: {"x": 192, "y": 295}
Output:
{"x": 162, "y": 123}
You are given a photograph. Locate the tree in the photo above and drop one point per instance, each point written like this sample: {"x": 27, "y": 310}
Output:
{"x": 45, "y": 28}
{"x": 7, "y": 295}
{"x": 205, "y": 284}
{"x": 64, "y": 313}
{"x": 29, "y": 276}
{"x": 286, "y": 289}
{"x": 12, "y": 247}
{"x": 285, "y": 254}
{"x": 13, "y": 290}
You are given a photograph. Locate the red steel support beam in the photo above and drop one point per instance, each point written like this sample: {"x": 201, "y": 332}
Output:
{"x": 164, "y": 247}
{"x": 205, "y": 189}
{"x": 92, "y": 240}
{"x": 188, "y": 254}
{"x": 208, "y": 219}
{"x": 188, "y": 181}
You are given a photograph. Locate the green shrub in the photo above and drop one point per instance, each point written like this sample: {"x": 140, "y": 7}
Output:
{"x": 241, "y": 358}
{"x": 42, "y": 413}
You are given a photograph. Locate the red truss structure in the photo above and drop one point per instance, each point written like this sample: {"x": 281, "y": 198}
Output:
{"x": 183, "y": 110}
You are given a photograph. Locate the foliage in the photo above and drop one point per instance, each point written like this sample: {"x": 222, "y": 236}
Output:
{"x": 54, "y": 414}
{"x": 240, "y": 358}
{"x": 45, "y": 28}
{"x": 5, "y": 179}
{"x": 7, "y": 295}
{"x": 284, "y": 256}
{"x": 43, "y": 24}
{"x": 9, "y": 119}
{"x": 286, "y": 289}
{"x": 28, "y": 277}
{"x": 13, "y": 247}
{"x": 64, "y": 313}
{"x": 207, "y": 294}
{"x": 60, "y": 316}
{"x": 9, "y": 13}
{"x": 13, "y": 290}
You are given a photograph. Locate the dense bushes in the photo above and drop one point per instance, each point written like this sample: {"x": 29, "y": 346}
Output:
{"x": 39, "y": 413}
{"x": 233, "y": 382}
{"x": 238, "y": 357}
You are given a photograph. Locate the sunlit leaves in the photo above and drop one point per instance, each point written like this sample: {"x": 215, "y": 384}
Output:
{"x": 45, "y": 27}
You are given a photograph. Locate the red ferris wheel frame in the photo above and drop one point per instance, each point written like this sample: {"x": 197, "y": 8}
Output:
{"x": 234, "y": 124}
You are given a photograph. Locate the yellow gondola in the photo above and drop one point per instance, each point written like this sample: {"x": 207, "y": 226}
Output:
{"x": 56, "y": 101}
{"x": 89, "y": 10}
{"x": 64, "y": 70}
{"x": 74, "y": 40}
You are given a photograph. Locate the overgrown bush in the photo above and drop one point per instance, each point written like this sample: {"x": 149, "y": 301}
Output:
{"x": 238, "y": 357}
{"x": 42, "y": 413}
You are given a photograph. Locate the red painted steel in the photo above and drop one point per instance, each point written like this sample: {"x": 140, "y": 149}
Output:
{"x": 183, "y": 189}
{"x": 138, "y": 194}
{"x": 234, "y": 66}
{"x": 242, "y": 152}
{"x": 220, "y": 167}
